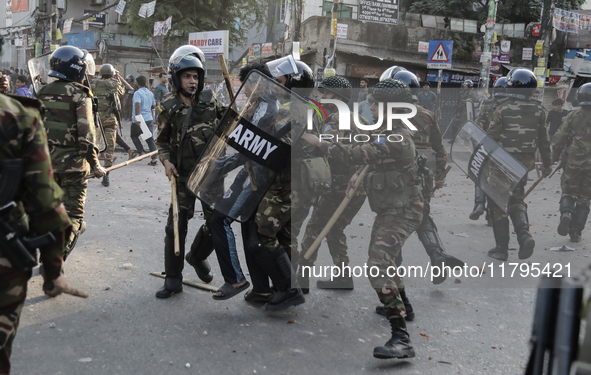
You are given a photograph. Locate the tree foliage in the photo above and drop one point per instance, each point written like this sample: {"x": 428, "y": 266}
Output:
{"x": 508, "y": 11}
{"x": 188, "y": 16}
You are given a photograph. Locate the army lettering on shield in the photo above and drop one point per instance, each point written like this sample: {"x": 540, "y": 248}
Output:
{"x": 478, "y": 157}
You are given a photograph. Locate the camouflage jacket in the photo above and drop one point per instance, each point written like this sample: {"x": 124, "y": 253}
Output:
{"x": 22, "y": 136}
{"x": 576, "y": 129}
{"x": 107, "y": 90}
{"x": 486, "y": 112}
{"x": 70, "y": 127}
{"x": 428, "y": 136}
{"x": 520, "y": 127}
{"x": 205, "y": 116}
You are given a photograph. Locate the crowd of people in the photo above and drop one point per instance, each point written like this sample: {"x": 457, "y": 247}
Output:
{"x": 306, "y": 175}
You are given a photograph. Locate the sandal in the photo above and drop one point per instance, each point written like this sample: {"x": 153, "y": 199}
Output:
{"x": 252, "y": 296}
{"x": 227, "y": 291}
{"x": 153, "y": 163}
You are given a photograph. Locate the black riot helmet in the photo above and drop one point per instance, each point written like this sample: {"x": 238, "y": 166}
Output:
{"x": 500, "y": 88}
{"x": 297, "y": 73}
{"x": 522, "y": 83}
{"x": 584, "y": 95}
{"x": 391, "y": 71}
{"x": 188, "y": 49}
{"x": 68, "y": 63}
{"x": 107, "y": 70}
{"x": 468, "y": 84}
{"x": 337, "y": 85}
{"x": 410, "y": 79}
{"x": 180, "y": 63}
{"x": 391, "y": 90}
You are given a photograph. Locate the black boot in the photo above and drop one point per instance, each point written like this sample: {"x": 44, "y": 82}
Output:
{"x": 106, "y": 181}
{"x": 410, "y": 314}
{"x": 173, "y": 264}
{"x": 399, "y": 346}
{"x": 340, "y": 282}
{"x": 434, "y": 248}
{"x": 524, "y": 238}
{"x": 578, "y": 222}
{"x": 501, "y": 232}
{"x": 479, "y": 201}
{"x": 201, "y": 249}
{"x": 567, "y": 207}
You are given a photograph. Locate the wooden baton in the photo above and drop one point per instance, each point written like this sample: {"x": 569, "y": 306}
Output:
{"x": 533, "y": 186}
{"x": 125, "y": 163}
{"x": 175, "y": 215}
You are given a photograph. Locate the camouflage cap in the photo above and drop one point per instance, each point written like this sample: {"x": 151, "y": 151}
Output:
{"x": 337, "y": 85}
{"x": 391, "y": 90}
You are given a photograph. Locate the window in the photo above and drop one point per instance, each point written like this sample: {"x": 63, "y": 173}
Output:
{"x": 343, "y": 11}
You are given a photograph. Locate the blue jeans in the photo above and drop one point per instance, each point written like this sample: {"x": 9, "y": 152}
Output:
{"x": 150, "y": 141}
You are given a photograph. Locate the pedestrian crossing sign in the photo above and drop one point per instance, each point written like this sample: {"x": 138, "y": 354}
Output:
{"x": 440, "y": 52}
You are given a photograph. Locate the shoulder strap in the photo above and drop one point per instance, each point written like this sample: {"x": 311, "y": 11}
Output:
{"x": 183, "y": 133}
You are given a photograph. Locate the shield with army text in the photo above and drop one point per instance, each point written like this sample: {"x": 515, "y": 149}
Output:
{"x": 250, "y": 147}
{"x": 492, "y": 168}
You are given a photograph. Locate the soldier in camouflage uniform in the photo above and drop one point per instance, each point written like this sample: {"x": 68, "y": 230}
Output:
{"x": 394, "y": 192}
{"x": 186, "y": 121}
{"x": 483, "y": 120}
{"x": 108, "y": 89}
{"x": 340, "y": 89}
{"x": 23, "y": 137}
{"x": 71, "y": 133}
{"x": 519, "y": 125}
{"x": 574, "y": 135}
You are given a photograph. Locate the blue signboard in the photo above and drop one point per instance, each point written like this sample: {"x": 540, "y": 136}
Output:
{"x": 439, "y": 56}
{"x": 85, "y": 40}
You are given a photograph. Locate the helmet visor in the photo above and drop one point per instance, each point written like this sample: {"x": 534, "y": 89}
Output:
{"x": 283, "y": 67}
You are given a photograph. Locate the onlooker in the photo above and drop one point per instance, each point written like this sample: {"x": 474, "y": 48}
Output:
{"x": 143, "y": 103}
{"x": 365, "y": 111}
{"x": 555, "y": 116}
{"x": 427, "y": 98}
{"x": 21, "y": 87}
{"x": 161, "y": 90}
{"x": 363, "y": 91}
{"x": 536, "y": 95}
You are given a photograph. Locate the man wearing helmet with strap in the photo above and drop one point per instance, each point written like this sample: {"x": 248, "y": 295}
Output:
{"x": 336, "y": 88}
{"x": 186, "y": 121}
{"x": 483, "y": 120}
{"x": 71, "y": 133}
{"x": 574, "y": 136}
{"x": 394, "y": 191}
{"x": 519, "y": 125}
{"x": 108, "y": 89}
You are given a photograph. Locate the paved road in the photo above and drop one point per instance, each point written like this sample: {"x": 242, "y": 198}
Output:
{"x": 472, "y": 326}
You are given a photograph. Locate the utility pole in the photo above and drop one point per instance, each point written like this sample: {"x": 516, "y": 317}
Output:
{"x": 333, "y": 40}
{"x": 53, "y": 22}
{"x": 545, "y": 33}
{"x": 488, "y": 45}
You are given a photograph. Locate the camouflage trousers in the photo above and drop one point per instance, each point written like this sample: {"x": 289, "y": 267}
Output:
{"x": 576, "y": 182}
{"x": 110, "y": 128}
{"x": 273, "y": 219}
{"x": 13, "y": 292}
{"x": 336, "y": 238}
{"x": 516, "y": 199}
{"x": 389, "y": 232}
{"x": 74, "y": 185}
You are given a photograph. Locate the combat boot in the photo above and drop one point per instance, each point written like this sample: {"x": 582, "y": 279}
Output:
{"x": 501, "y": 233}
{"x": 434, "y": 248}
{"x": 479, "y": 202}
{"x": 106, "y": 181}
{"x": 399, "y": 345}
{"x": 410, "y": 314}
{"x": 173, "y": 264}
{"x": 567, "y": 207}
{"x": 578, "y": 222}
{"x": 201, "y": 249}
{"x": 339, "y": 282}
{"x": 521, "y": 226}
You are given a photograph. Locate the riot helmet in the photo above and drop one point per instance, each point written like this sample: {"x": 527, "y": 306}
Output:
{"x": 107, "y": 70}
{"x": 522, "y": 84}
{"x": 468, "y": 84}
{"x": 130, "y": 78}
{"x": 186, "y": 50}
{"x": 338, "y": 85}
{"x": 180, "y": 63}
{"x": 584, "y": 95}
{"x": 90, "y": 65}
{"x": 410, "y": 79}
{"x": 298, "y": 75}
{"x": 500, "y": 88}
{"x": 391, "y": 90}
{"x": 68, "y": 63}
{"x": 391, "y": 71}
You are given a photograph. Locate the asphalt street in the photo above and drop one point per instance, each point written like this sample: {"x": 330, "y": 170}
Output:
{"x": 468, "y": 325}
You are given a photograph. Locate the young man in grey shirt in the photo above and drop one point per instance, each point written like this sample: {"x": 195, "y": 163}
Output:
{"x": 427, "y": 98}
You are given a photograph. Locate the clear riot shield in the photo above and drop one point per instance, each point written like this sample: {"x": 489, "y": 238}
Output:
{"x": 492, "y": 168}
{"x": 249, "y": 148}
{"x": 38, "y": 68}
